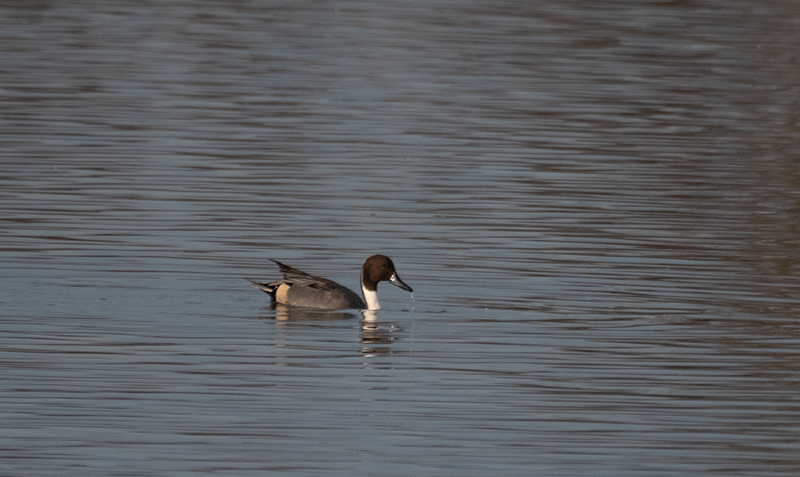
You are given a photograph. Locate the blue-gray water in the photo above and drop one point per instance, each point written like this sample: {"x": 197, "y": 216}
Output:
{"x": 597, "y": 204}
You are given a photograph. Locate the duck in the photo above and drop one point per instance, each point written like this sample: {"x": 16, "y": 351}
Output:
{"x": 301, "y": 289}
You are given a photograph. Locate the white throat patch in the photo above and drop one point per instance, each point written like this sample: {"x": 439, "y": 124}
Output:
{"x": 371, "y": 297}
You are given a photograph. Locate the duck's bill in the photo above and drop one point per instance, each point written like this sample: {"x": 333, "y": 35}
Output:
{"x": 395, "y": 280}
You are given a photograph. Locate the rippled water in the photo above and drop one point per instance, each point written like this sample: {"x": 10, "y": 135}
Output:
{"x": 596, "y": 204}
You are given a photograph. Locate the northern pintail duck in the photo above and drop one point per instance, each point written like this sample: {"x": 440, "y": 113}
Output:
{"x": 298, "y": 288}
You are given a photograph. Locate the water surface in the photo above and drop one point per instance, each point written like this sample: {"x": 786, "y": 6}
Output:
{"x": 596, "y": 206}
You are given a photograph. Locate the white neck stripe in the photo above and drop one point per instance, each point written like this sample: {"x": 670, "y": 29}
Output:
{"x": 371, "y": 297}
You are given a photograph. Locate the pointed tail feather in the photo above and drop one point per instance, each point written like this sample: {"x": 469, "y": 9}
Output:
{"x": 268, "y": 288}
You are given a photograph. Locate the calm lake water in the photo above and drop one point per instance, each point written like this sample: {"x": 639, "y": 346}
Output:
{"x": 597, "y": 204}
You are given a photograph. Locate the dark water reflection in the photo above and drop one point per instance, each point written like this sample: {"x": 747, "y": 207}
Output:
{"x": 597, "y": 206}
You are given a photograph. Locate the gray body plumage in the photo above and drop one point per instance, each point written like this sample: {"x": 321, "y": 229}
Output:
{"x": 306, "y": 290}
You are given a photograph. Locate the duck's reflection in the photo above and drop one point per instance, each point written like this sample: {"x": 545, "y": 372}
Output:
{"x": 373, "y": 332}
{"x": 285, "y": 313}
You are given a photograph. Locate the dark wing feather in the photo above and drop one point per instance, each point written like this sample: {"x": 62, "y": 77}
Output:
{"x": 295, "y": 277}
